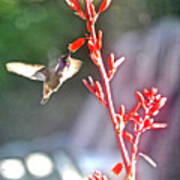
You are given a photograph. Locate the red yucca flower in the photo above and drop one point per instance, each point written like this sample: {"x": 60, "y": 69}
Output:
{"x": 76, "y": 44}
{"x": 97, "y": 176}
{"x": 149, "y": 102}
{"x": 104, "y": 5}
{"x": 118, "y": 168}
{"x": 74, "y": 4}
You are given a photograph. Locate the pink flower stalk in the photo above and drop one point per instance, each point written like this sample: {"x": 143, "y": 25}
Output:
{"x": 97, "y": 176}
{"x": 149, "y": 101}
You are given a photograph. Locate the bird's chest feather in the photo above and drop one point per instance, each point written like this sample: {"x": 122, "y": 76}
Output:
{"x": 53, "y": 81}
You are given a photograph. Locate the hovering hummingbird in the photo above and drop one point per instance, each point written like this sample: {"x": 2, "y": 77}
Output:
{"x": 52, "y": 78}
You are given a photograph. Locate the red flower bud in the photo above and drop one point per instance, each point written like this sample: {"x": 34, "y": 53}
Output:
{"x": 76, "y": 44}
{"x": 158, "y": 125}
{"x": 92, "y": 10}
{"x": 148, "y": 123}
{"x": 141, "y": 99}
{"x": 153, "y": 91}
{"x": 97, "y": 176}
{"x": 74, "y": 4}
{"x": 118, "y": 62}
{"x": 91, "y": 46}
{"x": 81, "y": 14}
{"x": 104, "y": 5}
{"x": 162, "y": 102}
{"x": 128, "y": 136}
{"x": 117, "y": 168}
{"x": 111, "y": 61}
{"x": 89, "y": 86}
{"x": 122, "y": 110}
{"x": 99, "y": 40}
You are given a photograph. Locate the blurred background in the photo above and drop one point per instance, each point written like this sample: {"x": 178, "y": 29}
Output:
{"x": 72, "y": 135}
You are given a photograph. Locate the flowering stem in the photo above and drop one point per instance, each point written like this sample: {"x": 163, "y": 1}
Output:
{"x": 107, "y": 88}
{"x": 150, "y": 101}
{"x": 110, "y": 104}
{"x": 112, "y": 113}
{"x": 132, "y": 168}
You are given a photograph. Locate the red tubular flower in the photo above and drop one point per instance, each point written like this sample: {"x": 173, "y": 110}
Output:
{"x": 118, "y": 62}
{"x": 122, "y": 110}
{"x": 158, "y": 104}
{"x": 133, "y": 114}
{"x": 99, "y": 92}
{"x": 113, "y": 65}
{"x": 91, "y": 46}
{"x": 74, "y": 46}
{"x": 148, "y": 123}
{"x": 128, "y": 136}
{"x": 111, "y": 61}
{"x": 90, "y": 85}
{"x": 91, "y": 89}
{"x": 88, "y": 25}
{"x": 104, "y": 5}
{"x": 158, "y": 125}
{"x": 99, "y": 40}
{"x": 92, "y": 9}
{"x": 95, "y": 88}
{"x": 162, "y": 102}
{"x": 74, "y": 4}
{"x": 98, "y": 87}
{"x": 141, "y": 99}
{"x": 97, "y": 176}
{"x": 81, "y": 14}
{"x": 95, "y": 57}
{"x": 117, "y": 168}
{"x": 119, "y": 123}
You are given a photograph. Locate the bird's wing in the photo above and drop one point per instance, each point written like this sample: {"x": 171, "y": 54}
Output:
{"x": 31, "y": 71}
{"x": 71, "y": 69}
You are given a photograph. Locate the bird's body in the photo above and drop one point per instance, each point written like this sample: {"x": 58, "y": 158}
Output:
{"x": 52, "y": 78}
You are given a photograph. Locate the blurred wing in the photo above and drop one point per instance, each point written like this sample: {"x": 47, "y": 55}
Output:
{"x": 73, "y": 68}
{"x": 26, "y": 70}
{"x": 42, "y": 74}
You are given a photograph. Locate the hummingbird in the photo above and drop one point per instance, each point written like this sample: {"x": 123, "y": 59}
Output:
{"x": 52, "y": 78}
